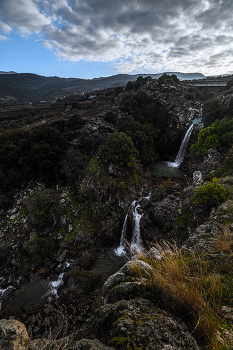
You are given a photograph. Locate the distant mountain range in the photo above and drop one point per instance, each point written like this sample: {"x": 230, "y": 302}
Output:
{"x": 27, "y": 87}
{"x": 11, "y": 72}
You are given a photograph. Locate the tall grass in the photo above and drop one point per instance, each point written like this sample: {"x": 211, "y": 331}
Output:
{"x": 187, "y": 287}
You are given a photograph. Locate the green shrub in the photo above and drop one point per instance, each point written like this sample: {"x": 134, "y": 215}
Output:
{"x": 75, "y": 122}
{"x": 121, "y": 186}
{"x": 190, "y": 96}
{"x": 96, "y": 210}
{"x": 118, "y": 149}
{"x": 129, "y": 86}
{"x": 212, "y": 110}
{"x": 110, "y": 117}
{"x": 40, "y": 248}
{"x": 86, "y": 280}
{"x": 143, "y": 137}
{"x": 29, "y": 155}
{"x": 211, "y": 194}
{"x": 43, "y": 208}
{"x": 219, "y": 134}
{"x": 85, "y": 141}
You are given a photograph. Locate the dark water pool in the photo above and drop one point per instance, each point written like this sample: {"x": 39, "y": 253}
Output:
{"x": 167, "y": 169}
{"x": 31, "y": 293}
{"x": 109, "y": 263}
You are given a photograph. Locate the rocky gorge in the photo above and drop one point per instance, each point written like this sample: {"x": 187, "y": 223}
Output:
{"x": 52, "y": 249}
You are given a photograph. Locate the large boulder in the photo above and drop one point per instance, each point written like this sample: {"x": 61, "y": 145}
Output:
{"x": 138, "y": 324}
{"x": 68, "y": 343}
{"x": 13, "y": 335}
{"x": 127, "y": 282}
{"x": 159, "y": 218}
{"x": 203, "y": 238}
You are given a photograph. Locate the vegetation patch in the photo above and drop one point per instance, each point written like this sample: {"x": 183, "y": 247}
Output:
{"x": 87, "y": 280}
{"x": 193, "y": 286}
{"x": 43, "y": 208}
{"x": 211, "y": 194}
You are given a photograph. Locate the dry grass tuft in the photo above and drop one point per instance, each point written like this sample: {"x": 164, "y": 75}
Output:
{"x": 224, "y": 241}
{"x": 187, "y": 287}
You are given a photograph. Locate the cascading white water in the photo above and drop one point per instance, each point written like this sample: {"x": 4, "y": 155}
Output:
{"x": 181, "y": 154}
{"x": 136, "y": 242}
{"x": 121, "y": 249}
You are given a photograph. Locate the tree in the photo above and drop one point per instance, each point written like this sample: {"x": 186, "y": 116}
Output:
{"x": 212, "y": 110}
{"x": 118, "y": 149}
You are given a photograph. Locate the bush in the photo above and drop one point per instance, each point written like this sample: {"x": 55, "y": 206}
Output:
{"x": 219, "y": 134}
{"x": 26, "y": 156}
{"x": 96, "y": 210}
{"x": 71, "y": 165}
{"x": 129, "y": 85}
{"x": 86, "y": 280}
{"x": 212, "y": 110}
{"x": 75, "y": 122}
{"x": 43, "y": 207}
{"x": 85, "y": 141}
{"x": 118, "y": 149}
{"x": 40, "y": 248}
{"x": 143, "y": 137}
{"x": 211, "y": 194}
{"x": 110, "y": 117}
{"x": 190, "y": 96}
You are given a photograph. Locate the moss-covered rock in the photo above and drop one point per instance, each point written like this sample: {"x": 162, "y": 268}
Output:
{"x": 86, "y": 280}
{"x": 128, "y": 281}
{"x": 138, "y": 324}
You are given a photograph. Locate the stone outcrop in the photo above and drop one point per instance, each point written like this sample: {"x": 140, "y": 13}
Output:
{"x": 127, "y": 282}
{"x": 69, "y": 343}
{"x": 137, "y": 323}
{"x": 159, "y": 219}
{"x": 13, "y": 335}
{"x": 172, "y": 98}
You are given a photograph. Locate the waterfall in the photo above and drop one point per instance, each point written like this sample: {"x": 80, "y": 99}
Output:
{"x": 181, "y": 154}
{"x": 136, "y": 242}
{"x": 121, "y": 249}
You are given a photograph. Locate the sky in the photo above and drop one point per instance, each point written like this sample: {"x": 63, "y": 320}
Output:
{"x": 94, "y": 38}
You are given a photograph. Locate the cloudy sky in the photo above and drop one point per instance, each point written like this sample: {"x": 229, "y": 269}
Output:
{"x": 92, "y": 38}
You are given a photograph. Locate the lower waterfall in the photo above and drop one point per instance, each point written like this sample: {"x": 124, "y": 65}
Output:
{"x": 136, "y": 241}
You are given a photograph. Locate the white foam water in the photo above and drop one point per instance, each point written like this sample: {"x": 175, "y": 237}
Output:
{"x": 54, "y": 285}
{"x": 182, "y": 151}
{"x": 136, "y": 242}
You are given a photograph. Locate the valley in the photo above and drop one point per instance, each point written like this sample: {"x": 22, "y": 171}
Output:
{"x": 99, "y": 249}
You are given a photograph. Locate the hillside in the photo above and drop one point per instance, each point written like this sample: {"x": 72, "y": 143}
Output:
{"x": 26, "y": 87}
{"x": 78, "y": 189}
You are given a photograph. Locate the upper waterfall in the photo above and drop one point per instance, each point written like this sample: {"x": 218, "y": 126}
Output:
{"x": 181, "y": 154}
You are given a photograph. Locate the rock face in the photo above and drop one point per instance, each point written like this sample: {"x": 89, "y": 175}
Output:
{"x": 13, "y": 335}
{"x": 197, "y": 179}
{"x": 125, "y": 284}
{"x": 67, "y": 343}
{"x": 203, "y": 238}
{"x": 158, "y": 219}
{"x": 139, "y": 324}
{"x": 172, "y": 98}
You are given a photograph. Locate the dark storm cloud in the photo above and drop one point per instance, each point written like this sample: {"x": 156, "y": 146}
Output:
{"x": 133, "y": 34}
